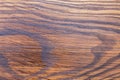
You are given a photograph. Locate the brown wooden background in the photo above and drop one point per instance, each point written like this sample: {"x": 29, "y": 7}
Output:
{"x": 59, "y": 39}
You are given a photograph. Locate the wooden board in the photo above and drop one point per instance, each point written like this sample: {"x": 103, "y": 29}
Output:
{"x": 59, "y": 39}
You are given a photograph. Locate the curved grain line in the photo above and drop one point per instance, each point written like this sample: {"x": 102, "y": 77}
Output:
{"x": 61, "y": 29}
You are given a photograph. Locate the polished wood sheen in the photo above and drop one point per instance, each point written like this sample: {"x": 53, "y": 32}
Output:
{"x": 59, "y": 39}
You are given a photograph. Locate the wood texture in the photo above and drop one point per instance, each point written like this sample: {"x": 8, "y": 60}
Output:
{"x": 59, "y": 39}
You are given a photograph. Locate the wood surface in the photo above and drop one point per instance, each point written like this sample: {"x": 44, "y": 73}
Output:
{"x": 59, "y": 39}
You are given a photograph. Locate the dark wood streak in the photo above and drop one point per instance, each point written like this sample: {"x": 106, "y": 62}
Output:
{"x": 59, "y": 40}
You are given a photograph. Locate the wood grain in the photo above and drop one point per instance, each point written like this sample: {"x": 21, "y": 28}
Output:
{"x": 59, "y": 39}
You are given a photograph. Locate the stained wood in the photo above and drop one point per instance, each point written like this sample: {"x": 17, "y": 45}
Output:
{"x": 59, "y": 39}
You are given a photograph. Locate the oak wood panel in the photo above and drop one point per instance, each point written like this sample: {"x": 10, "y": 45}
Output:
{"x": 59, "y": 39}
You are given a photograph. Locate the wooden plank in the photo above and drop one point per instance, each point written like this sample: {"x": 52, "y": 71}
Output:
{"x": 59, "y": 39}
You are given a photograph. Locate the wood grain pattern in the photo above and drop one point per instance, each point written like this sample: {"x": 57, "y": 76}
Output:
{"x": 59, "y": 39}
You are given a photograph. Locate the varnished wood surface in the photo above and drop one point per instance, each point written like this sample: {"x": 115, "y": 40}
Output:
{"x": 59, "y": 39}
